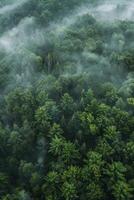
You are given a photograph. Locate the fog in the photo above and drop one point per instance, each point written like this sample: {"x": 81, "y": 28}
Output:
{"x": 12, "y": 6}
{"x": 14, "y": 38}
{"x": 20, "y": 35}
{"x": 123, "y": 10}
{"x": 27, "y": 35}
{"x": 66, "y": 96}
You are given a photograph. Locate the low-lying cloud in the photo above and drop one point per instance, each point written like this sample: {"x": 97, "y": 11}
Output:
{"x": 27, "y": 35}
{"x": 12, "y": 6}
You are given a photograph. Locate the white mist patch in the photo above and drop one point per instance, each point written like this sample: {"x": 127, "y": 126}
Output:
{"x": 114, "y": 10}
{"x": 18, "y": 37}
{"x": 106, "y": 8}
{"x": 15, "y": 38}
{"x": 127, "y": 86}
{"x": 6, "y": 43}
{"x": 107, "y": 11}
{"x": 26, "y": 36}
{"x": 66, "y": 22}
{"x": 129, "y": 13}
{"x": 11, "y": 7}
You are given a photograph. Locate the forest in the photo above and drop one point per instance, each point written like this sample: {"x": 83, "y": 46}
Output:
{"x": 66, "y": 100}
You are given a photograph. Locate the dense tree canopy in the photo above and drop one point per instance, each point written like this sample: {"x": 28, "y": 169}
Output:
{"x": 66, "y": 102}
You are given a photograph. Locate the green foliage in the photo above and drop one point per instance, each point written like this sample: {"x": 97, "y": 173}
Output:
{"x": 66, "y": 102}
